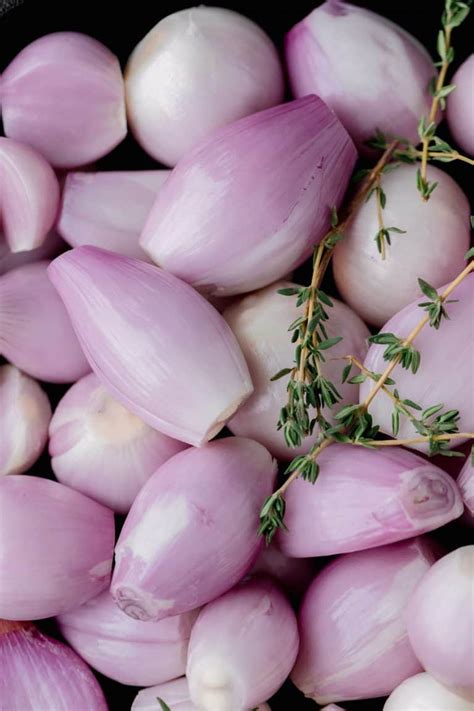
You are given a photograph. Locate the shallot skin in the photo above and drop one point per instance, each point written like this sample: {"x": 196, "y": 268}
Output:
{"x": 125, "y": 649}
{"x": 433, "y": 248}
{"x": 460, "y": 106}
{"x": 248, "y": 204}
{"x": 260, "y": 323}
{"x": 452, "y": 346}
{"x": 365, "y": 498}
{"x": 354, "y": 643}
{"x": 465, "y": 482}
{"x": 36, "y": 333}
{"x": 195, "y": 71}
{"x": 25, "y": 416}
{"x": 63, "y": 94}
{"x": 108, "y": 209}
{"x": 242, "y": 647}
{"x": 56, "y": 548}
{"x": 173, "y": 693}
{"x": 423, "y": 693}
{"x": 41, "y": 673}
{"x": 440, "y": 621}
{"x": 192, "y": 374}
{"x": 101, "y": 449}
{"x": 192, "y": 532}
{"x": 29, "y": 193}
{"x": 371, "y": 72}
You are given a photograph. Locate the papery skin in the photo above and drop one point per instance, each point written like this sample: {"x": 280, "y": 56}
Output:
{"x": 292, "y": 574}
{"x": 195, "y": 71}
{"x": 25, "y": 415}
{"x": 175, "y": 694}
{"x": 423, "y": 693}
{"x": 50, "y": 248}
{"x": 366, "y": 498}
{"x": 247, "y": 206}
{"x": 332, "y": 707}
{"x": 109, "y": 209}
{"x": 103, "y": 450}
{"x": 191, "y": 533}
{"x": 371, "y": 72}
{"x": 36, "y": 333}
{"x": 242, "y": 647}
{"x": 29, "y": 195}
{"x": 63, "y": 94}
{"x": 465, "y": 482}
{"x": 451, "y": 347}
{"x": 354, "y": 643}
{"x": 433, "y": 248}
{"x": 125, "y": 649}
{"x": 39, "y": 672}
{"x": 56, "y": 548}
{"x": 440, "y": 621}
{"x": 460, "y": 107}
{"x": 260, "y": 323}
{"x": 127, "y": 312}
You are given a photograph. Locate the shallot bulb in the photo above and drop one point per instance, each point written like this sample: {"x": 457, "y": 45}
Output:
{"x": 260, "y": 323}
{"x": 192, "y": 375}
{"x": 366, "y": 498}
{"x": 191, "y": 533}
{"x": 354, "y": 643}
{"x": 109, "y": 209}
{"x": 433, "y": 248}
{"x": 63, "y": 94}
{"x": 371, "y": 72}
{"x": 465, "y": 482}
{"x": 430, "y": 386}
{"x": 56, "y": 548}
{"x": 100, "y": 448}
{"x": 38, "y": 672}
{"x": 423, "y": 693}
{"x": 196, "y": 70}
{"x": 25, "y": 415}
{"x": 460, "y": 108}
{"x": 36, "y": 333}
{"x": 243, "y": 646}
{"x": 247, "y": 205}
{"x": 125, "y": 649}
{"x": 174, "y": 694}
{"x": 29, "y": 196}
{"x": 440, "y": 621}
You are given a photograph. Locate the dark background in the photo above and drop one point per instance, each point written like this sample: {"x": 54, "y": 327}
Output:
{"x": 120, "y": 26}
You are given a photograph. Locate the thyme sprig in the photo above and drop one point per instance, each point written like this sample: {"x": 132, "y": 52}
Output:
{"x": 308, "y": 390}
{"x": 354, "y": 424}
{"x": 454, "y": 14}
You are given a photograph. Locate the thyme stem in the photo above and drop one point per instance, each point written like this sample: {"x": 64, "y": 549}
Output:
{"x": 412, "y": 335}
{"x": 414, "y": 440}
{"x": 435, "y": 100}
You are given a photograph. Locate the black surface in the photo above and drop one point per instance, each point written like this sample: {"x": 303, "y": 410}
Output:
{"x": 120, "y": 26}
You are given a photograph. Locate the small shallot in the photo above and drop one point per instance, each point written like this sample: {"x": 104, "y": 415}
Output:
{"x": 354, "y": 643}
{"x": 158, "y": 346}
{"x": 191, "y": 533}
{"x": 56, "y": 548}
{"x": 243, "y": 646}
{"x": 63, "y": 94}
{"x": 36, "y": 333}
{"x": 100, "y": 448}
{"x": 25, "y": 415}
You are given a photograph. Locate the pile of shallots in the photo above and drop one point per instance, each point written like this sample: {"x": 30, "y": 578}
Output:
{"x": 153, "y": 296}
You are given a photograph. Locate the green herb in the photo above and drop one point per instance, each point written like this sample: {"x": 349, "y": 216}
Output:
{"x": 163, "y": 705}
{"x": 407, "y": 355}
{"x": 435, "y": 306}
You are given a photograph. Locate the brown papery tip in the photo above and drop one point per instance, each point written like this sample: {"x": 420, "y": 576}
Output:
{"x": 7, "y": 626}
